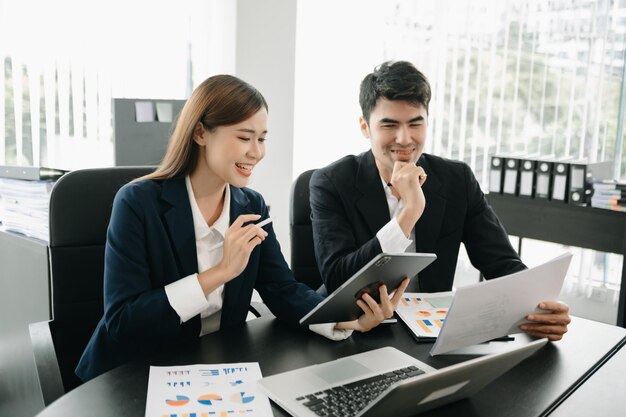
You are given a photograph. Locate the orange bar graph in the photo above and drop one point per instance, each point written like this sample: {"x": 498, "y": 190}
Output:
{"x": 423, "y": 326}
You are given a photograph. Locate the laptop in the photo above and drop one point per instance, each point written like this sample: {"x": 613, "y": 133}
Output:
{"x": 385, "y": 382}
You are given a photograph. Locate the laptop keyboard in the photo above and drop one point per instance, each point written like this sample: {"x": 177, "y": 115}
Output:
{"x": 347, "y": 400}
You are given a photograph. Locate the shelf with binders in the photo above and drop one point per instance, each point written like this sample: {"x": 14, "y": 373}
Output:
{"x": 562, "y": 180}
{"x": 567, "y": 224}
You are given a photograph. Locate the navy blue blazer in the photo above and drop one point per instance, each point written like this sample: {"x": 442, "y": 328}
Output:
{"x": 348, "y": 208}
{"x": 150, "y": 244}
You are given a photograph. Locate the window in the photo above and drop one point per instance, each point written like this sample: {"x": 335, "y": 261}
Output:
{"x": 532, "y": 76}
{"x": 62, "y": 65}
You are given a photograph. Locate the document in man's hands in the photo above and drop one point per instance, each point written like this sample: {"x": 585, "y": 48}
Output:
{"x": 497, "y": 307}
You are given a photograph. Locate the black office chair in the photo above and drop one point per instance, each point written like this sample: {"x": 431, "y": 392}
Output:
{"x": 303, "y": 263}
{"x": 80, "y": 208}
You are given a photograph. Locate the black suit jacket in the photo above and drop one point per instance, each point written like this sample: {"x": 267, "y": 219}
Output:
{"x": 348, "y": 208}
{"x": 150, "y": 244}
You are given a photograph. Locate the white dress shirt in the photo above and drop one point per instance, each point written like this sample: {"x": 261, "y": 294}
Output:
{"x": 186, "y": 295}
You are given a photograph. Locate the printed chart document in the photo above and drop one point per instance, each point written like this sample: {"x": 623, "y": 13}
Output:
{"x": 424, "y": 313}
{"x": 497, "y": 307}
{"x": 218, "y": 390}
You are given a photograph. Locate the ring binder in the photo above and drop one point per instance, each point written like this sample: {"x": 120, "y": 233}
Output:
{"x": 511, "y": 176}
{"x": 560, "y": 176}
{"x": 527, "y": 178}
{"x": 496, "y": 171}
{"x": 543, "y": 179}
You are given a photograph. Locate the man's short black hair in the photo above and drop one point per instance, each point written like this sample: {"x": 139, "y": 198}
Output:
{"x": 394, "y": 81}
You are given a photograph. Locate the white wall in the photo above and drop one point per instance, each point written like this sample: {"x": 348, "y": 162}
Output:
{"x": 329, "y": 72}
{"x": 265, "y": 57}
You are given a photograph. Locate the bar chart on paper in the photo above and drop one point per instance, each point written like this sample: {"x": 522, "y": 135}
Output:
{"x": 424, "y": 313}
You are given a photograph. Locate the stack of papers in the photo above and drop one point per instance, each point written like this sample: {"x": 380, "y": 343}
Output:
{"x": 24, "y": 206}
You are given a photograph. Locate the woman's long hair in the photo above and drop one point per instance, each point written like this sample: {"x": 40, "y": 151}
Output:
{"x": 221, "y": 100}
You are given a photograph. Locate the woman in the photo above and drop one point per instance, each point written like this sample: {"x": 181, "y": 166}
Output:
{"x": 183, "y": 254}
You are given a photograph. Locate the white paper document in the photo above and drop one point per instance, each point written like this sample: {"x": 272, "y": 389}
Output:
{"x": 227, "y": 389}
{"x": 497, "y": 307}
{"x": 164, "y": 112}
{"x": 144, "y": 111}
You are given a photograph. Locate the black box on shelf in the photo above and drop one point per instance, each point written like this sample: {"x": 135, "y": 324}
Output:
{"x": 581, "y": 177}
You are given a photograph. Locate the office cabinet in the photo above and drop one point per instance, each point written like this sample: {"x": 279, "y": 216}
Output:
{"x": 24, "y": 298}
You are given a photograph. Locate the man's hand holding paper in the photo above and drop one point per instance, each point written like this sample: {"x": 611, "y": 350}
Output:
{"x": 503, "y": 306}
{"x": 551, "y": 324}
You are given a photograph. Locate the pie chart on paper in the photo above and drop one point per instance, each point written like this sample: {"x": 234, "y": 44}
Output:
{"x": 180, "y": 400}
{"x": 241, "y": 398}
{"x": 209, "y": 399}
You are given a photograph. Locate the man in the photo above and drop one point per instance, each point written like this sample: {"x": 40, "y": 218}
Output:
{"x": 395, "y": 198}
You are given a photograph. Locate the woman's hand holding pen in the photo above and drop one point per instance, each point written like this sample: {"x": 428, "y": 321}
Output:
{"x": 374, "y": 313}
{"x": 239, "y": 241}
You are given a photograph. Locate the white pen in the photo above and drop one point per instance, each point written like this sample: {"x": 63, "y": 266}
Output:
{"x": 259, "y": 224}
{"x": 264, "y": 222}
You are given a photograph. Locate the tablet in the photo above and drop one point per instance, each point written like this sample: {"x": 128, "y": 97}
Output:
{"x": 385, "y": 268}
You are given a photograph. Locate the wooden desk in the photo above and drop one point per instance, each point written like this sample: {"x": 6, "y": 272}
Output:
{"x": 530, "y": 389}
{"x": 568, "y": 224}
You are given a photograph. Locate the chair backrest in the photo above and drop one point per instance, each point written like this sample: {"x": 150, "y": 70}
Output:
{"x": 303, "y": 261}
{"x": 80, "y": 209}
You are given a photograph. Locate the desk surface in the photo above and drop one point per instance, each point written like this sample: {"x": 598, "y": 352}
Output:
{"x": 530, "y": 389}
{"x": 599, "y": 394}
